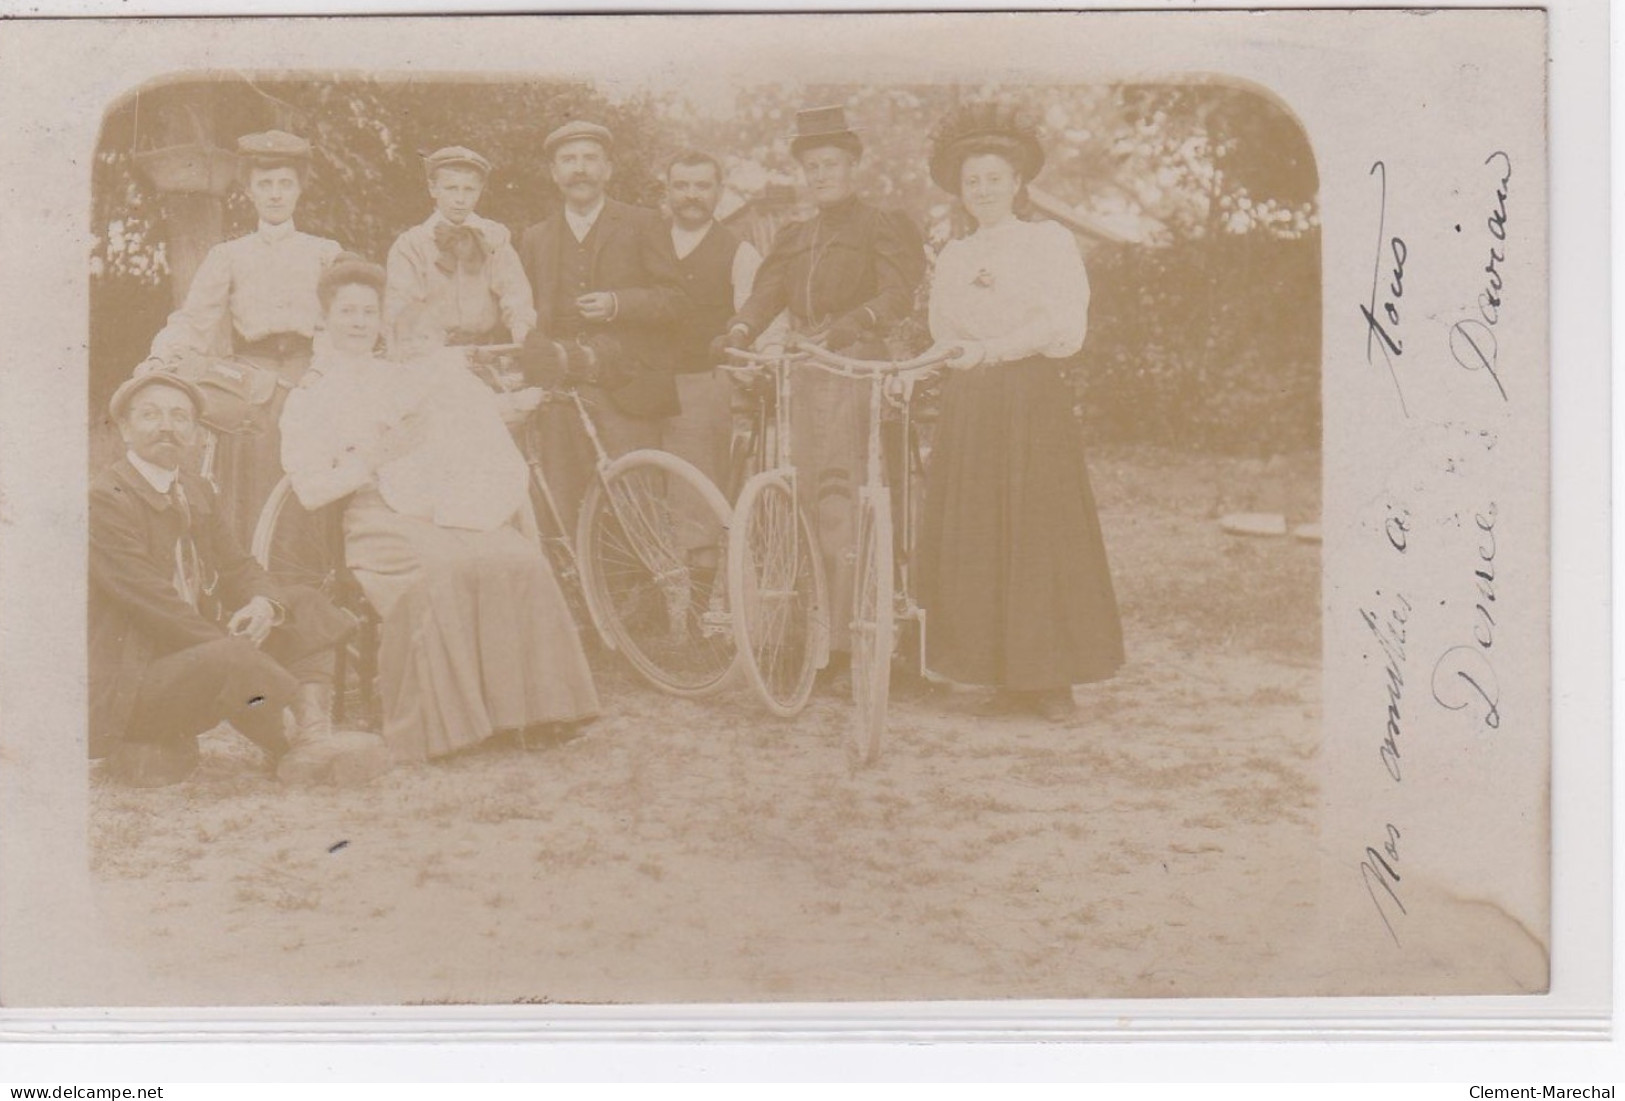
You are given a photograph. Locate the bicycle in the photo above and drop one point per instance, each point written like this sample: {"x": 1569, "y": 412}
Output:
{"x": 776, "y": 584}
{"x": 627, "y": 566}
{"x": 773, "y": 560}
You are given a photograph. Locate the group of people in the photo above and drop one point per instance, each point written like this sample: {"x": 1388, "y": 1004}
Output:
{"x": 370, "y": 415}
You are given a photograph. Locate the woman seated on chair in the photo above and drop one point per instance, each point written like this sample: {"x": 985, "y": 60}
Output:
{"x": 476, "y": 637}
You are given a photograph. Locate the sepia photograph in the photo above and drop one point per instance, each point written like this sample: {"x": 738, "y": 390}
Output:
{"x": 762, "y": 528}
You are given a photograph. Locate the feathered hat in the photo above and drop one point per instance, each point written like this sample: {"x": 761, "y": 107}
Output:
{"x": 985, "y": 126}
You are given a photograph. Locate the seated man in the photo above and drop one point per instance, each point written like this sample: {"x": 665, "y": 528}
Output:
{"x": 186, "y": 630}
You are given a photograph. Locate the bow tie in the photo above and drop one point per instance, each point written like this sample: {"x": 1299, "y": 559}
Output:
{"x": 459, "y": 245}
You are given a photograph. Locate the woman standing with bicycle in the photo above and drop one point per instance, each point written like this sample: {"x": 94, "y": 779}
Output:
{"x": 1013, "y": 570}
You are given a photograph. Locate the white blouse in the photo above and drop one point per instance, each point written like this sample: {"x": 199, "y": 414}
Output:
{"x": 1019, "y": 289}
{"x": 430, "y": 435}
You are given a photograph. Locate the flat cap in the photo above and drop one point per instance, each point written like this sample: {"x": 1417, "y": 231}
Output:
{"x": 456, "y": 156}
{"x": 572, "y": 131}
{"x": 273, "y": 145}
{"x": 130, "y": 387}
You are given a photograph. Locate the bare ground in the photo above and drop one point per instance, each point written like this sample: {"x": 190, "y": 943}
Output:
{"x": 1161, "y": 844}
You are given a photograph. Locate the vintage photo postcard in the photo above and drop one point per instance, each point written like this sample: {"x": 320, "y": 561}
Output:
{"x": 692, "y": 511}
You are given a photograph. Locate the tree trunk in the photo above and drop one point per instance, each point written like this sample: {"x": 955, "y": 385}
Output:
{"x": 182, "y": 114}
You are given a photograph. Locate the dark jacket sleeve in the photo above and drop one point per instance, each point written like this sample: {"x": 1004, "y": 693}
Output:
{"x": 528, "y": 248}
{"x": 899, "y": 266}
{"x": 658, "y": 297}
{"x": 122, "y": 572}
{"x": 770, "y": 293}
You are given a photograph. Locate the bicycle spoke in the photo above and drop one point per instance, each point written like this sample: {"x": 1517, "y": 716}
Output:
{"x": 656, "y": 602}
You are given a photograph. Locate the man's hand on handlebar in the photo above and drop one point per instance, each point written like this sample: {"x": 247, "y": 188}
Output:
{"x": 846, "y": 331}
{"x": 737, "y": 337}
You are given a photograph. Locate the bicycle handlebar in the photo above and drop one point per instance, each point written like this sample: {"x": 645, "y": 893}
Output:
{"x": 818, "y": 356}
{"x": 830, "y": 361}
{"x": 746, "y": 357}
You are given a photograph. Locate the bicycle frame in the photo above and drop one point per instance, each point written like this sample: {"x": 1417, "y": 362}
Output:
{"x": 890, "y": 385}
{"x": 779, "y": 364}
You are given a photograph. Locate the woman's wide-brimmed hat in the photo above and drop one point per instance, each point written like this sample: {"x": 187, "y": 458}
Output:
{"x": 821, "y": 126}
{"x": 995, "y": 127}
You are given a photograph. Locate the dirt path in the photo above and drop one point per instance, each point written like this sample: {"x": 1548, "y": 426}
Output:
{"x": 1162, "y": 844}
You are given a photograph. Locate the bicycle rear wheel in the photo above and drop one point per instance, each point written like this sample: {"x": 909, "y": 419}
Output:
{"x": 296, "y": 545}
{"x": 776, "y": 591}
{"x": 650, "y": 543}
{"x": 289, "y": 541}
{"x": 873, "y": 627}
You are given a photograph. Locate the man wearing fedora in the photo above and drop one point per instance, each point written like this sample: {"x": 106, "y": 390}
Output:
{"x": 186, "y": 630}
{"x": 255, "y": 297}
{"x": 607, "y": 293}
{"x": 845, "y": 277}
{"x": 460, "y": 267}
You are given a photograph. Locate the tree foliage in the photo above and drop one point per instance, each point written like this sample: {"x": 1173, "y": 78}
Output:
{"x": 1204, "y": 328}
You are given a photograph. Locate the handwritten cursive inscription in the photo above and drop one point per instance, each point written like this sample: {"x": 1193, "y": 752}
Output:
{"x": 1473, "y": 344}
{"x": 1489, "y": 300}
{"x": 1464, "y": 678}
{"x": 1389, "y": 631}
{"x": 1379, "y": 871}
{"x": 1382, "y": 323}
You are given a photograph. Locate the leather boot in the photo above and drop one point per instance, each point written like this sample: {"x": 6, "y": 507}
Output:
{"x": 322, "y": 755}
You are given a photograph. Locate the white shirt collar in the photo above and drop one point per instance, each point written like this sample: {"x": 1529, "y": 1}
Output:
{"x": 581, "y": 224}
{"x": 157, "y": 477}
{"x": 685, "y": 241}
{"x": 279, "y": 232}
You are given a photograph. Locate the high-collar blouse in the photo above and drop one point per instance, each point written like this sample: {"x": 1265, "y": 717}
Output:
{"x": 1017, "y": 288}
{"x": 264, "y": 282}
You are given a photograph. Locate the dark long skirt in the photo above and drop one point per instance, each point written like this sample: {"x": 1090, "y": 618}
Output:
{"x": 1012, "y": 567}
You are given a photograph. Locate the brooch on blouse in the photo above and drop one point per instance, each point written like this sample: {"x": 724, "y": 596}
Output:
{"x": 984, "y": 279}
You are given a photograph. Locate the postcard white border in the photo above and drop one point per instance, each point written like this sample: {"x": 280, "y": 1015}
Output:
{"x": 1582, "y": 819}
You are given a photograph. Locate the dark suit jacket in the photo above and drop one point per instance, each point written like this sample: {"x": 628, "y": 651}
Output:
{"x": 631, "y": 256}
{"x": 849, "y": 257}
{"x": 137, "y": 617}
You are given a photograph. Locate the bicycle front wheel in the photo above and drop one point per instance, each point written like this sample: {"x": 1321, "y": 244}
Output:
{"x": 776, "y": 592}
{"x": 650, "y": 540}
{"x": 873, "y": 627}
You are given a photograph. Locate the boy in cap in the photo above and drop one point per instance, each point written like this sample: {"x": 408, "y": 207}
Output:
{"x": 186, "y": 630}
{"x": 461, "y": 266}
{"x": 255, "y": 297}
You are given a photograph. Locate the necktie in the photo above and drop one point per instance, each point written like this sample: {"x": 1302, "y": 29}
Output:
{"x": 188, "y": 570}
{"x": 459, "y": 245}
{"x": 177, "y": 497}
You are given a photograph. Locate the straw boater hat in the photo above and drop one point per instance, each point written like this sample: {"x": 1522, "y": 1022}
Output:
{"x": 823, "y": 126}
{"x": 984, "y": 127}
